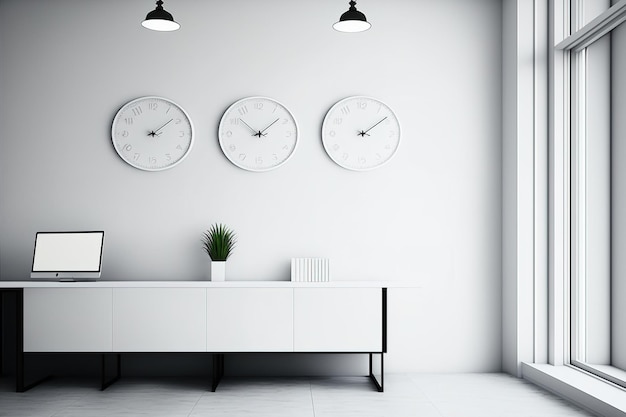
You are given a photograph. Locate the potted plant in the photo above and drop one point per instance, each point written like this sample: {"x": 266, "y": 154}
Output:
{"x": 218, "y": 242}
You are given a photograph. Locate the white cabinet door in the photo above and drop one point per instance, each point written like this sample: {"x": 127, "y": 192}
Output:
{"x": 159, "y": 319}
{"x": 67, "y": 320}
{"x": 338, "y": 319}
{"x": 250, "y": 319}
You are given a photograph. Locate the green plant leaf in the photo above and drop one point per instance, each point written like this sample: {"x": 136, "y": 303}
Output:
{"x": 218, "y": 242}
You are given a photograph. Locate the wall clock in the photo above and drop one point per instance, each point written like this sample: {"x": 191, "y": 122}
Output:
{"x": 361, "y": 133}
{"x": 152, "y": 133}
{"x": 258, "y": 134}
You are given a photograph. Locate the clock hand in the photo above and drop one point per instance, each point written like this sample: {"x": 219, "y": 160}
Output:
{"x": 363, "y": 133}
{"x": 254, "y": 131}
{"x": 163, "y": 126}
{"x": 154, "y": 133}
{"x": 261, "y": 132}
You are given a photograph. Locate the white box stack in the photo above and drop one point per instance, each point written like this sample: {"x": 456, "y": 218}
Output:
{"x": 310, "y": 270}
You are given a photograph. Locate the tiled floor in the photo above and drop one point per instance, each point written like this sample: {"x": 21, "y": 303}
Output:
{"x": 419, "y": 395}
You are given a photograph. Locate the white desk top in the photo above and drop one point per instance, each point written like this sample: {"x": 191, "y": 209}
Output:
{"x": 206, "y": 284}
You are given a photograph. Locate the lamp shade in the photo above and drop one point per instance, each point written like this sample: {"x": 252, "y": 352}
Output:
{"x": 161, "y": 20}
{"x": 352, "y": 21}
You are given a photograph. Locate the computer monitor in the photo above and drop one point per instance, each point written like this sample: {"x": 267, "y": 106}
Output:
{"x": 68, "y": 255}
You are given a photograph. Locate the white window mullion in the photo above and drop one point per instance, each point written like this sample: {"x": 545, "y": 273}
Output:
{"x": 577, "y": 15}
{"x": 560, "y": 179}
{"x": 579, "y": 215}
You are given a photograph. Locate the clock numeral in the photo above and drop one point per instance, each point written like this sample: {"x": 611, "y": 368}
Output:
{"x": 168, "y": 157}
{"x": 128, "y": 120}
{"x": 337, "y": 120}
{"x": 388, "y": 146}
{"x": 136, "y": 156}
{"x": 288, "y": 134}
{"x": 285, "y": 121}
{"x": 177, "y": 121}
{"x": 128, "y": 147}
{"x": 179, "y": 147}
{"x": 380, "y": 107}
{"x": 153, "y": 106}
{"x": 275, "y": 157}
{"x": 242, "y": 110}
{"x": 137, "y": 111}
{"x": 391, "y": 133}
{"x": 242, "y": 156}
{"x": 258, "y": 160}
{"x": 229, "y": 133}
{"x": 168, "y": 109}
{"x": 275, "y": 108}
{"x": 332, "y": 133}
{"x": 125, "y": 133}
{"x": 258, "y": 106}
{"x": 362, "y": 160}
{"x": 152, "y": 160}
{"x": 345, "y": 110}
{"x": 336, "y": 147}
{"x": 234, "y": 121}
{"x": 379, "y": 156}
{"x": 181, "y": 133}
{"x": 361, "y": 105}
{"x": 344, "y": 156}
{"x": 286, "y": 147}
{"x": 232, "y": 148}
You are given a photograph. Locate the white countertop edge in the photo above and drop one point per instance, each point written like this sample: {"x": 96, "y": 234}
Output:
{"x": 206, "y": 284}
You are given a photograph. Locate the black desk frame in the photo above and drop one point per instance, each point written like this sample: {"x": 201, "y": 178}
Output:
{"x": 20, "y": 384}
{"x": 20, "y": 380}
{"x": 20, "y": 355}
{"x": 218, "y": 358}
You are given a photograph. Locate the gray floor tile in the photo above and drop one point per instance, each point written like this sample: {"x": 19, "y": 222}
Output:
{"x": 424, "y": 395}
{"x": 259, "y": 397}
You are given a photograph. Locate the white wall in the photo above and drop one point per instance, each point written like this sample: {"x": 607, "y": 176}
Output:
{"x": 432, "y": 216}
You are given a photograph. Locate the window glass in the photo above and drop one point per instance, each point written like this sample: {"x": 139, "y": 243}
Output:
{"x": 591, "y": 212}
{"x": 618, "y": 197}
{"x": 584, "y": 11}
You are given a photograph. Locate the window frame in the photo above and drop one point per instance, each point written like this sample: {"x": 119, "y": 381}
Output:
{"x": 568, "y": 159}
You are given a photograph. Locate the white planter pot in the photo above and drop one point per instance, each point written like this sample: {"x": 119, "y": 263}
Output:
{"x": 218, "y": 270}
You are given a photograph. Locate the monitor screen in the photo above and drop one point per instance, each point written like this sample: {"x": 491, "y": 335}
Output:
{"x": 68, "y": 255}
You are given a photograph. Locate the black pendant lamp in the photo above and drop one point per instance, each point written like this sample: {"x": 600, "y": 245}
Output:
{"x": 352, "y": 20}
{"x": 159, "y": 19}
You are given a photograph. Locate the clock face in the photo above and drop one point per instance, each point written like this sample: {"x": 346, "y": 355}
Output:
{"x": 152, "y": 133}
{"x": 361, "y": 133}
{"x": 258, "y": 134}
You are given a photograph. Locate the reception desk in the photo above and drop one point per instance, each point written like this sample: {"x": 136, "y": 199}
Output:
{"x": 111, "y": 318}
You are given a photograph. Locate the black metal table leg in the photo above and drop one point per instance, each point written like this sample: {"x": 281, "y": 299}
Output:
{"x": 218, "y": 370}
{"x": 1, "y": 332}
{"x": 380, "y": 385}
{"x": 20, "y": 380}
{"x": 104, "y": 383}
{"x": 19, "y": 341}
